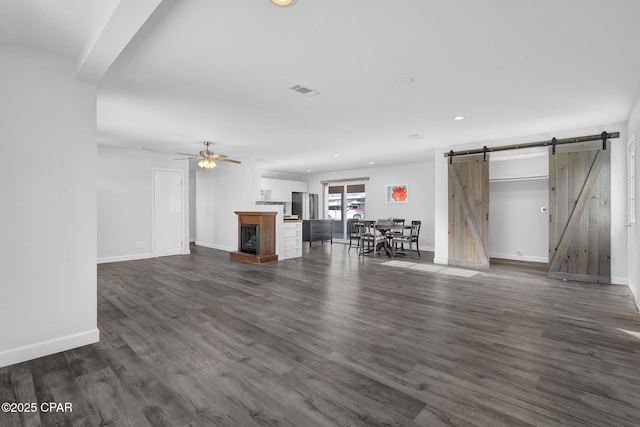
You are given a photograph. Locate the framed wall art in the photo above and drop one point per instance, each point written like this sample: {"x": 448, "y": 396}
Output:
{"x": 397, "y": 194}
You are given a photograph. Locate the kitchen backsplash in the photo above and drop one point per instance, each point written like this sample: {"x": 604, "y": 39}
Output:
{"x": 286, "y": 206}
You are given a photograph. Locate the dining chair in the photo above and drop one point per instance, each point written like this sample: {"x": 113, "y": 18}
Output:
{"x": 410, "y": 238}
{"x": 398, "y": 221}
{"x": 354, "y": 229}
{"x": 398, "y": 228}
{"x": 371, "y": 239}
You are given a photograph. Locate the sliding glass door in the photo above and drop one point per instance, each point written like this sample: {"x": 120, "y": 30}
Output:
{"x": 344, "y": 202}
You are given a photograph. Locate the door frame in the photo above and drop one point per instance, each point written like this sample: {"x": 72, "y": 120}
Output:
{"x": 345, "y": 204}
{"x": 631, "y": 223}
{"x": 153, "y": 209}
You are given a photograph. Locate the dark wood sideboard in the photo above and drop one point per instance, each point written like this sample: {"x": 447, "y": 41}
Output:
{"x": 314, "y": 230}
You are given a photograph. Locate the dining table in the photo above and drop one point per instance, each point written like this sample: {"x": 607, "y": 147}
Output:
{"x": 385, "y": 229}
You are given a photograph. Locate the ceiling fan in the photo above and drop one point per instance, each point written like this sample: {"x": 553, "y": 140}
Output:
{"x": 207, "y": 157}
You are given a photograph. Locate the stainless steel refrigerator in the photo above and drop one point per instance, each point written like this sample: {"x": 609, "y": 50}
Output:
{"x": 304, "y": 205}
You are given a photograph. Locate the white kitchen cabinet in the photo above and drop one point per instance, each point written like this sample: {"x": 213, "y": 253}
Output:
{"x": 299, "y": 186}
{"x": 274, "y": 190}
{"x": 280, "y": 189}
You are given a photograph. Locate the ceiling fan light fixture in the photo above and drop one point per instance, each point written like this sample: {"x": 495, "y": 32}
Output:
{"x": 207, "y": 164}
{"x": 283, "y": 3}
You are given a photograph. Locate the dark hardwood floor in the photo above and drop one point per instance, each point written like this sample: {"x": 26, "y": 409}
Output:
{"x": 333, "y": 340}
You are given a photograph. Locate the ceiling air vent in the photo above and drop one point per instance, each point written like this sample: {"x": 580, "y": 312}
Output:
{"x": 304, "y": 90}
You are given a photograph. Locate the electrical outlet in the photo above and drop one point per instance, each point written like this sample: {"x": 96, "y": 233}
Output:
{"x": 139, "y": 244}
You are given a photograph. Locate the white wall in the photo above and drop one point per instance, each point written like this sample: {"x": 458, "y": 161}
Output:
{"x": 634, "y": 230}
{"x": 619, "y": 271}
{"x": 125, "y": 201}
{"x": 418, "y": 177}
{"x": 223, "y": 190}
{"x": 48, "y": 227}
{"x": 517, "y": 228}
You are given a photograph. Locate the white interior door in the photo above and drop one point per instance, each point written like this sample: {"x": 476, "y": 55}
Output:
{"x": 631, "y": 217}
{"x": 168, "y": 215}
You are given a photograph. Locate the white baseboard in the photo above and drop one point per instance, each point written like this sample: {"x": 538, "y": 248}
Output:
{"x": 621, "y": 281}
{"x": 204, "y": 244}
{"x": 120, "y": 258}
{"x": 445, "y": 261}
{"x": 134, "y": 257}
{"x": 45, "y": 348}
{"x": 635, "y": 297}
{"x": 632, "y": 291}
{"x": 215, "y": 246}
{"x": 515, "y": 257}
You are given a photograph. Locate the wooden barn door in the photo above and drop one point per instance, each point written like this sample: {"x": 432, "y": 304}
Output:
{"x": 469, "y": 212}
{"x": 580, "y": 213}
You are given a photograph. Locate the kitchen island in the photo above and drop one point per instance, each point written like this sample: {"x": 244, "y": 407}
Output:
{"x": 314, "y": 230}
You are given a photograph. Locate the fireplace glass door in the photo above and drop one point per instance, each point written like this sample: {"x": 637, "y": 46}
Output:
{"x": 250, "y": 238}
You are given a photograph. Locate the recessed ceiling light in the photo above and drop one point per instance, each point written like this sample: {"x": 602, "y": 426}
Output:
{"x": 458, "y": 118}
{"x": 336, "y": 155}
{"x": 405, "y": 80}
{"x": 371, "y": 163}
{"x": 308, "y": 170}
{"x": 416, "y": 136}
{"x": 283, "y": 2}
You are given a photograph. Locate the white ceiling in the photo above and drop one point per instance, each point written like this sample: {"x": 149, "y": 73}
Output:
{"x": 220, "y": 70}
{"x": 65, "y": 27}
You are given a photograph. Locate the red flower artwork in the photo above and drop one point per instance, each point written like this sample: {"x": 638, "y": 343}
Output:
{"x": 399, "y": 194}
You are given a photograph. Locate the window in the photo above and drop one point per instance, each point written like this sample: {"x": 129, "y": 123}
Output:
{"x": 355, "y": 201}
{"x": 335, "y": 201}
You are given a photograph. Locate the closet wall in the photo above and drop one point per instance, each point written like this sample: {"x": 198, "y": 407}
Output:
{"x": 518, "y": 194}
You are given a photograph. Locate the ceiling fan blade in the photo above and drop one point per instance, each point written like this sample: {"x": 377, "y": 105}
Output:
{"x": 188, "y": 158}
{"x": 219, "y": 156}
{"x": 158, "y": 151}
{"x": 187, "y": 154}
{"x": 230, "y": 160}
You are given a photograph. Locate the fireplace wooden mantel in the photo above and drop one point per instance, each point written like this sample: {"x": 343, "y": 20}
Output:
{"x": 266, "y": 222}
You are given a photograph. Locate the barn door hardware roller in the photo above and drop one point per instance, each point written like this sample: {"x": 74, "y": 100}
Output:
{"x": 604, "y": 136}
